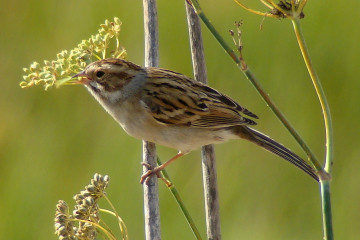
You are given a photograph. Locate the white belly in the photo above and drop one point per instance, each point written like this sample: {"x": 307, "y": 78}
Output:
{"x": 138, "y": 123}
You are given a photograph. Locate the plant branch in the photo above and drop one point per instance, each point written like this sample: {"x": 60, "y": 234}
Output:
{"x": 251, "y": 77}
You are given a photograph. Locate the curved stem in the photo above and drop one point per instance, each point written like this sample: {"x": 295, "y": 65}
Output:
{"x": 105, "y": 231}
{"x": 122, "y": 225}
{"x": 321, "y": 95}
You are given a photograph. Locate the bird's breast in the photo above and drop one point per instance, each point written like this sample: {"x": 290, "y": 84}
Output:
{"x": 138, "y": 123}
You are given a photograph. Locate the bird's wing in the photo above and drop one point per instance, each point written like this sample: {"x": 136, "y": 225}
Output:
{"x": 184, "y": 101}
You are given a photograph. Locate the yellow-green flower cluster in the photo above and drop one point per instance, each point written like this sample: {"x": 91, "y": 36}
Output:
{"x": 60, "y": 71}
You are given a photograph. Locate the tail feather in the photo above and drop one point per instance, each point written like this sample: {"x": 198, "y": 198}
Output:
{"x": 269, "y": 144}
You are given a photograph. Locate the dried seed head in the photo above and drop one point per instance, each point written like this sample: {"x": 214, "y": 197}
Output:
{"x": 63, "y": 225}
{"x": 86, "y": 209}
{"x": 86, "y": 231}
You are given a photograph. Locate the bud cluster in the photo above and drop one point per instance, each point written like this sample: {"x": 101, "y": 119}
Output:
{"x": 68, "y": 63}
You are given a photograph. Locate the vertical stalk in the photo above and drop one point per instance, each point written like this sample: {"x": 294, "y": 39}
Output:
{"x": 324, "y": 178}
{"x": 208, "y": 153}
{"x": 326, "y": 210}
{"x": 151, "y": 196}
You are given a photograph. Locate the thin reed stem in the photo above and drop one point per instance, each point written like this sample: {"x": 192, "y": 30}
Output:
{"x": 211, "y": 196}
{"x": 180, "y": 202}
{"x": 150, "y": 187}
{"x": 326, "y": 210}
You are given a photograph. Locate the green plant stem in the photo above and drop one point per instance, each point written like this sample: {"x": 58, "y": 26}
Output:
{"x": 326, "y": 210}
{"x": 283, "y": 119}
{"x": 218, "y": 37}
{"x": 324, "y": 178}
{"x": 251, "y": 77}
{"x": 320, "y": 93}
{"x": 180, "y": 202}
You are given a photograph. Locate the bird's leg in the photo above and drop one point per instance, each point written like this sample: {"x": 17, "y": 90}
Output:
{"x": 157, "y": 169}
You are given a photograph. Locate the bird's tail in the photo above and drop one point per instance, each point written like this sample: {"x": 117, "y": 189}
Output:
{"x": 269, "y": 144}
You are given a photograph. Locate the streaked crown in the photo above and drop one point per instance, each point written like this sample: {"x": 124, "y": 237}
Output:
{"x": 111, "y": 74}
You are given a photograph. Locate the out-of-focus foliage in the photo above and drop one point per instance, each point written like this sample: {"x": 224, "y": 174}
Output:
{"x": 52, "y": 142}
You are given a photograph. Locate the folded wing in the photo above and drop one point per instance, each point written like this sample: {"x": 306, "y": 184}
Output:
{"x": 185, "y": 101}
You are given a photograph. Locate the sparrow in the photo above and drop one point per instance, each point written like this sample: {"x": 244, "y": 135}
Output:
{"x": 173, "y": 110}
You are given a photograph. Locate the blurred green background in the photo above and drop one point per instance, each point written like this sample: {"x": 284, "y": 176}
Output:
{"x": 51, "y": 143}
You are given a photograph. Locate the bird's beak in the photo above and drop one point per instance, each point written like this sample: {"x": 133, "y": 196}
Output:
{"x": 83, "y": 79}
{"x": 80, "y": 74}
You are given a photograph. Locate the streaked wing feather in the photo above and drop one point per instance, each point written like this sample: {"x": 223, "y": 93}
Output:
{"x": 187, "y": 102}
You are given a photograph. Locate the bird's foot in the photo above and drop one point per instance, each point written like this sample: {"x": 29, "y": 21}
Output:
{"x": 145, "y": 178}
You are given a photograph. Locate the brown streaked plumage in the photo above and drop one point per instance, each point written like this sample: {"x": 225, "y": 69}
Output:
{"x": 187, "y": 102}
{"x": 170, "y": 109}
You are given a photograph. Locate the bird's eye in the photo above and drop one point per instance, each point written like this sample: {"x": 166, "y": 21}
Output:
{"x": 99, "y": 74}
